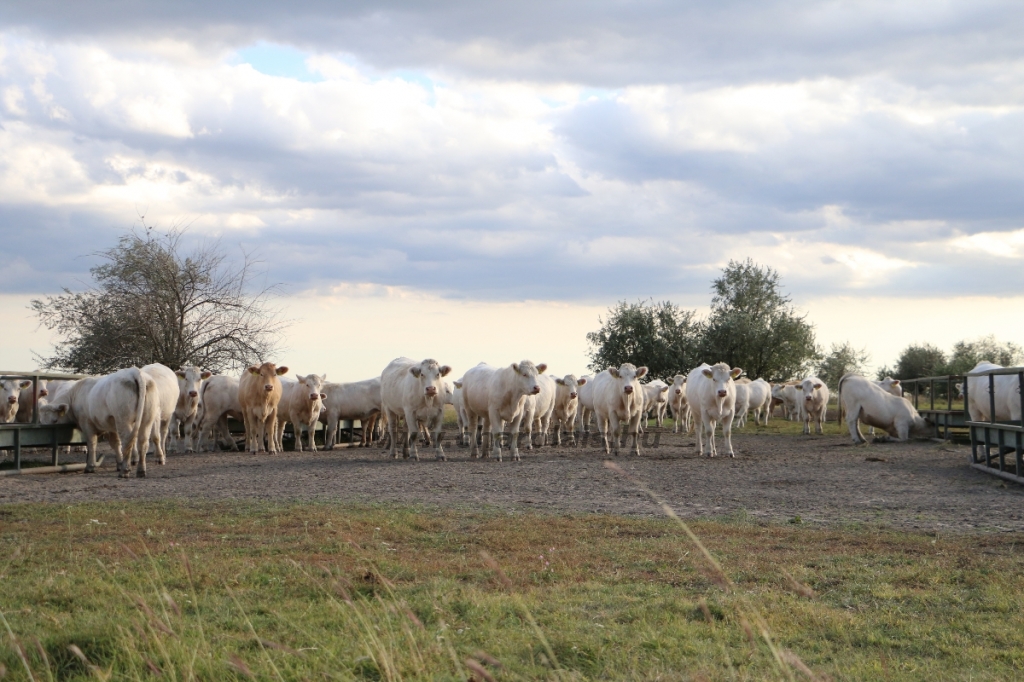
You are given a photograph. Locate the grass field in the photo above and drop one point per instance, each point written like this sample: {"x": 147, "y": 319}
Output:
{"x": 313, "y": 591}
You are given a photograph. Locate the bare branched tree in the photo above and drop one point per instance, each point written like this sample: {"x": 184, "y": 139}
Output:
{"x": 151, "y": 302}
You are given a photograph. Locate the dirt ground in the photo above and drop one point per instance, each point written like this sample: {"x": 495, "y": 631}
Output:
{"x": 923, "y": 485}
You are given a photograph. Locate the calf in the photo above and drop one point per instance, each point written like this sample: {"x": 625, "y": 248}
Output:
{"x": 814, "y": 405}
{"x": 865, "y": 401}
{"x": 655, "y": 401}
{"x": 742, "y": 405}
{"x": 619, "y": 400}
{"x": 566, "y": 406}
{"x": 124, "y": 405}
{"x": 10, "y": 395}
{"x": 259, "y": 394}
{"x": 711, "y": 394}
{"x": 539, "y": 410}
{"x": 218, "y": 400}
{"x": 760, "y": 399}
{"x": 413, "y": 390}
{"x": 677, "y": 403}
{"x": 349, "y": 402}
{"x": 499, "y": 396}
{"x": 301, "y": 404}
{"x": 787, "y": 395}
{"x": 190, "y": 380}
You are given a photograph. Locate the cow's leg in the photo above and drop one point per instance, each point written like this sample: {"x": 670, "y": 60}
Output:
{"x": 90, "y": 452}
{"x": 614, "y": 427}
{"x": 708, "y": 425}
{"x": 514, "y": 439}
{"x": 634, "y": 430}
{"x": 330, "y": 434}
{"x": 853, "y": 425}
{"x": 497, "y": 425}
{"x": 435, "y": 434}
{"x": 727, "y": 433}
{"x": 412, "y": 433}
{"x": 700, "y": 439}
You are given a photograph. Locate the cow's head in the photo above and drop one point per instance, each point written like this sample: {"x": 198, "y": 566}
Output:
{"x": 429, "y": 373}
{"x": 678, "y": 384}
{"x": 810, "y": 388}
{"x": 190, "y": 381}
{"x": 571, "y": 382}
{"x": 722, "y": 378}
{"x": 526, "y": 374}
{"x": 268, "y": 372}
{"x": 55, "y": 413}
{"x": 627, "y": 376}
{"x": 890, "y": 385}
{"x": 10, "y": 391}
{"x": 312, "y": 387}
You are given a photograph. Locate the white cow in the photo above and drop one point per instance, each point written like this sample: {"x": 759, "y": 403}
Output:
{"x": 460, "y": 414}
{"x": 167, "y": 400}
{"x": 619, "y": 401}
{"x": 349, "y": 402}
{"x": 539, "y": 409}
{"x": 123, "y": 405}
{"x": 789, "y": 396}
{"x": 711, "y": 394}
{"x": 566, "y": 406}
{"x": 742, "y": 405}
{"x": 499, "y": 396}
{"x": 1007, "y": 395}
{"x": 415, "y": 391}
{"x": 218, "y": 400}
{"x": 28, "y": 398}
{"x": 677, "y": 402}
{"x": 190, "y": 380}
{"x": 301, "y": 404}
{"x": 760, "y": 399}
{"x": 585, "y": 410}
{"x": 655, "y": 401}
{"x": 814, "y": 403}
{"x": 865, "y": 401}
{"x": 10, "y": 394}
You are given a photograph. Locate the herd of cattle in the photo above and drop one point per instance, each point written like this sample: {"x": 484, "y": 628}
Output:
{"x": 188, "y": 409}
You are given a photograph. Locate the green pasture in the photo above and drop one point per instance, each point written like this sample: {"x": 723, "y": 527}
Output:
{"x": 275, "y": 591}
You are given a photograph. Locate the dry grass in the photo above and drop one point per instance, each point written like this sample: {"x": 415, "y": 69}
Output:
{"x": 304, "y": 591}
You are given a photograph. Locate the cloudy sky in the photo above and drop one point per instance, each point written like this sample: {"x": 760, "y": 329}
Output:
{"x": 475, "y": 182}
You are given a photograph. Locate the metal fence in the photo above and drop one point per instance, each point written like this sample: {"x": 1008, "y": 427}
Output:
{"x": 16, "y": 436}
{"x": 993, "y": 440}
{"x": 938, "y": 400}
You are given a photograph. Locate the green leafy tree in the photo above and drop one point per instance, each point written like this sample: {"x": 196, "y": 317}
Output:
{"x": 841, "y": 360}
{"x": 924, "y": 360}
{"x": 967, "y": 354}
{"x": 151, "y": 302}
{"x": 662, "y": 336}
{"x": 753, "y": 325}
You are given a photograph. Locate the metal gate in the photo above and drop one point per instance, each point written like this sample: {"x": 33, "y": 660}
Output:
{"x": 938, "y": 400}
{"x": 993, "y": 440}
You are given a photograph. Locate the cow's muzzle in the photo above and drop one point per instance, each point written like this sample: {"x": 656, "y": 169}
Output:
{"x": 535, "y": 391}
{"x": 193, "y": 394}
{"x": 268, "y": 387}
{"x": 723, "y": 393}
{"x": 12, "y": 399}
{"x": 627, "y": 390}
{"x": 572, "y": 396}
{"x": 431, "y": 391}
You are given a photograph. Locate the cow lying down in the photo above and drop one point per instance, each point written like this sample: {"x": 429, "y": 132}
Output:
{"x": 865, "y": 401}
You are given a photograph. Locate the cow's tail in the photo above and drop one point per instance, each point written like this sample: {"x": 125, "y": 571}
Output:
{"x": 139, "y": 380}
{"x": 839, "y": 400}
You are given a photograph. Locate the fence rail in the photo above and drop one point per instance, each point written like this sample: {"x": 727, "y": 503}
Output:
{"x": 948, "y": 415}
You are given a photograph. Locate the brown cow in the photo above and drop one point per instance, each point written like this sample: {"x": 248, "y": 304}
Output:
{"x": 259, "y": 392}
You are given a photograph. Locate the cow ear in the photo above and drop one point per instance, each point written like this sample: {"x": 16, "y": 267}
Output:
{"x": 25, "y": 384}
{"x": 817, "y": 385}
{"x": 708, "y": 373}
{"x": 736, "y": 372}
{"x": 323, "y": 377}
{"x": 323, "y": 396}
{"x": 541, "y": 368}
{"x": 299, "y": 378}
{"x": 896, "y": 382}
{"x": 614, "y": 371}
{"x": 560, "y": 382}
{"x": 281, "y": 371}
{"x": 415, "y": 371}
{"x": 445, "y": 370}
{"x": 62, "y": 409}
{"x": 205, "y": 374}
{"x": 180, "y": 374}
{"x": 254, "y": 370}
{"x": 641, "y": 371}
{"x": 581, "y": 381}
{"x": 664, "y": 390}
{"x": 458, "y": 384}
{"x": 515, "y": 367}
